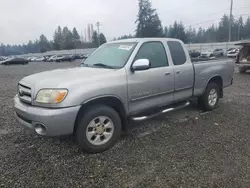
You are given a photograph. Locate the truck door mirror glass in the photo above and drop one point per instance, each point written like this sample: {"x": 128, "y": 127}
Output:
{"x": 141, "y": 64}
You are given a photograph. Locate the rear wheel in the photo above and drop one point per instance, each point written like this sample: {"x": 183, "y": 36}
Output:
{"x": 210, "y": 99}
{"x": 99, "y": 129}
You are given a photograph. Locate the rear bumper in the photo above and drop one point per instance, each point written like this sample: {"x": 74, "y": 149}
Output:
{"x": 56, "y": 121}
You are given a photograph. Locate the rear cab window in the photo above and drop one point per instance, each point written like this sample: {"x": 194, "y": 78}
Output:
{"x": 177, "y": 52}
{"x": 155, "y": 52}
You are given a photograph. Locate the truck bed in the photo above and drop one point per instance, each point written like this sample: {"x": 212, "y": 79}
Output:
{"x": 205, "y": 70}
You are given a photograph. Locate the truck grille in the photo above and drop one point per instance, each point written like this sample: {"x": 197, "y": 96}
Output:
{"x": 24, "y": 93}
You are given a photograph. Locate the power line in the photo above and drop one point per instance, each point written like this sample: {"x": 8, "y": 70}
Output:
{"x": 200, "y": 23}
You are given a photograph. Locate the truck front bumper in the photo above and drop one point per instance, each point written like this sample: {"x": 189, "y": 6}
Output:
{"x": 46, "y": 121}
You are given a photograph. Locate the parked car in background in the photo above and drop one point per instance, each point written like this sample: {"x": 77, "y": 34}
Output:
{"x": 2, "y": 58}
{"x": 132, "y": 79}
{"x": 33, "y": 59}
{"x": 233, "y": 53}
{"x": 39, "y": 59}
{"x": 85, "y": 56}
{"x": 218, "y": 52}
{"x": 243, "y": 57}
{"x": 194, "y": 53}
{"x": 68, "y": 58}
{"x": 15, "y": 60}
{"x": 59, "y": 58}
{"x": 62, "y": 58}
{"x": 212, "y": 53}
{"x": 52, "y": 58}
{"x": 46, "y": 58}
{"x": 29, "y": 58}
{"x": 72, "y": 57}
{"x": 230, "y": 49}
{"x": 77, "y": 56}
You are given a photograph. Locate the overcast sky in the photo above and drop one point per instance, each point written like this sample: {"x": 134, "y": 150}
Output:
{"x": 22, "y": 20}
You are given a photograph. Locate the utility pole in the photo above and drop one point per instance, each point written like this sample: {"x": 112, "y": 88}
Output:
{"x": 98, "y": 32}
{"x": 230, "y": 22}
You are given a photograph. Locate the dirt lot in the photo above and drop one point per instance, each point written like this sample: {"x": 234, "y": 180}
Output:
{"x": 187, "y": 148}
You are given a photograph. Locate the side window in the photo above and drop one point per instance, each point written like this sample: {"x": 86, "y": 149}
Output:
{"x": 154, "y": 52}
{"x": 177, "y": 52}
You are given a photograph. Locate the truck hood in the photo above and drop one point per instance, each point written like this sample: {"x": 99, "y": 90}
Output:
{"x": 64, "y": 78}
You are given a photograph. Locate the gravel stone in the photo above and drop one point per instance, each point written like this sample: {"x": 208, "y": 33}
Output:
{"x": 186, "y": 148}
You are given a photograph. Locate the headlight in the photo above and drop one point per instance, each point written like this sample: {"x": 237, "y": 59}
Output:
{"x": 51, "y": 96}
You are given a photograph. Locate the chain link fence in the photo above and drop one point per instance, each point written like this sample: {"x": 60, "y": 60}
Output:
{"x": 205, "y": 46}
{"x": 198, "y": 46}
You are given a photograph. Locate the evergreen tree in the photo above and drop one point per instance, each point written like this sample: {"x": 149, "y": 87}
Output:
{"x": 44, "y": 44}
{"x": 223, "y": 29}
{"x": 67, "y": 37}
{"x": 102, "y": 39}
{"x": 191, "y": 35}
{"x": 177, "y": 31}
{"x": 148, "y": 22}
{"x": 95, "y": 39}
{"x": 210, "y": 34}
{"x": 166, "y": 32}
{"x": 2, "y": 50}
{"x": 76, "y": 38}
{"x": 125, "y": 37}
{"x": 58, "y": 40}
{"x": 247, "y": 29}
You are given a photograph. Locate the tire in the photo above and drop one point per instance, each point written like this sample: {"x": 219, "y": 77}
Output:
{"x": 96, "y": 141}
{"x": 205, "y": 102}
{"x": 242, "y": 70}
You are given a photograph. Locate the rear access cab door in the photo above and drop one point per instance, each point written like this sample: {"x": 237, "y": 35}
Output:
{"x": 183, "y": 70}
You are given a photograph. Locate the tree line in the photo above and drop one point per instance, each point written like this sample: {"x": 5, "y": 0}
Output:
{"x": 63, "y": 39}
{"x": 148, "y": 24}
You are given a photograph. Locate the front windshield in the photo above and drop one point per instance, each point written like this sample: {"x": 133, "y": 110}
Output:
{"x": 114, "y": 55}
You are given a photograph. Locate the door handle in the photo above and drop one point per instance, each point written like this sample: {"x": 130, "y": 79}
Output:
{"x": 167, "y": 73}
{"x": 178, "y": 72}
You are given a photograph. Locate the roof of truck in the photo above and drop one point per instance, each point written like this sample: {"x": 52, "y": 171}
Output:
{"x": 144, "y": 40}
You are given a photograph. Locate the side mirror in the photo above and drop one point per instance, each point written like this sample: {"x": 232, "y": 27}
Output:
{"x": 141, "y": 64}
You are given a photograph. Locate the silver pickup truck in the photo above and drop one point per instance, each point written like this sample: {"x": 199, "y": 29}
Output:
{"x": 133, "y": 79}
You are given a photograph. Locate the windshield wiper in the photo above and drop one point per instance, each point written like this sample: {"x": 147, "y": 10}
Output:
{"x": 103, "y": 65}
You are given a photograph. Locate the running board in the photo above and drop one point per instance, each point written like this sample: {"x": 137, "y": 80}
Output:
{"x": 142, "y": 118}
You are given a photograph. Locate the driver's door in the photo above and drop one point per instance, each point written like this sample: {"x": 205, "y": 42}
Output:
{"x": 155, "y": 86}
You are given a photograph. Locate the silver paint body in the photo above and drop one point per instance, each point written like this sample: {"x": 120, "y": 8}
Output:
{"x": 138, "y": 91}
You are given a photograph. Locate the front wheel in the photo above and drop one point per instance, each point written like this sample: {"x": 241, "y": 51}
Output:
{"x": 210, "y": 99}
{"x": 99, "y": 129}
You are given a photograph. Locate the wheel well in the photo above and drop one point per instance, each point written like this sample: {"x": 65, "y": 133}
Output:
{"x": 112, "y": 102}
{"x": 218, "y": 80}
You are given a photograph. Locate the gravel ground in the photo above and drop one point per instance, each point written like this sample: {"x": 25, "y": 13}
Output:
{"x": 187, "y": 148}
